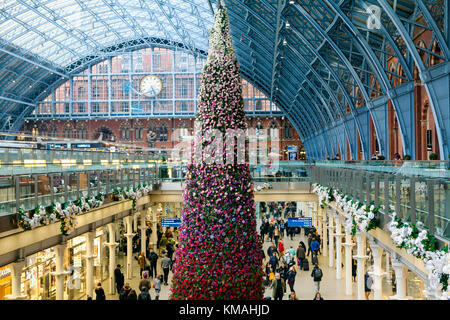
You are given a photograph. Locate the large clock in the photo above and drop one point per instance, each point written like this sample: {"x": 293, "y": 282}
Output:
{"x": 150, "y": 86}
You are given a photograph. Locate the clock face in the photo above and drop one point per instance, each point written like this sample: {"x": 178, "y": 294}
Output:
{"x": 150, "y": 86}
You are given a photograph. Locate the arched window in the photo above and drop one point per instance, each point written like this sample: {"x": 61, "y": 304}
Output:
{"x": 82, "y": 131}
{"x": 259, "y": 128}
{"x": 274, "y": 130}
{"x": 125, "y": 132}
{"x": 53, "y": 131}
{"x": 138, "y": 131}
{"x": 68, "y": 131}
{"x": 163, "y": 133}
{"x": 288, "y": 131}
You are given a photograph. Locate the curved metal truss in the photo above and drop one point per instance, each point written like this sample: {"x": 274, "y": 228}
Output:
{"x": 332, "y": 66}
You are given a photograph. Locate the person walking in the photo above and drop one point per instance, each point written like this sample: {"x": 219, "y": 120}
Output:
{"x": 301, "y": 255}
{"x": 271, "y": 250}
{"x": 317, "y": 276}
{"x": 293, "y": 296}
{"x": 278, "y": 287}
{"x": 367, "y": 285}
{"x": 315, "y": 246}
{"x": 291, "y": 278}
{"x": 165, "y": 265}
{"x": 99, "y": 292}
{"x": 281, "y": 247}
{"x": 157, "y": 285}
{"x": 282, "y": 228}
{"x": 276, "y": 235}
{"x": 273, "y": 261}
{"x": 291, "y": 252}
{"x": 118, "y": 278}
{"x": 153, "y": 263}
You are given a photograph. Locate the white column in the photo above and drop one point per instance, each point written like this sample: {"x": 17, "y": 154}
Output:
{"x": 90, "y": 236}
{"x": 400, "y": 280}
{"x": 135, "y": 221}
{"x": 361, "y": 267}
{"x": 338, "y": 235}
{"x": 112, "y": 256}
{"x": 143, "y": 229}
{"x": 348, "y": 263}
{"x": 377, "y": 274}
{"x": 331, "y": 240}
{"x": 16, "y": 281}
{"x": 388, "y": 266}
{"x": 154, "y": 235}
{"x": 129, "y": 229}
{"x": 60, "y": 273}
{"x": 325, "y": 233}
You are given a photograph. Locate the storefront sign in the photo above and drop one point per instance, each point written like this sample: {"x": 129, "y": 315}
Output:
{"x": 171, "y": 222}
{"x": 299, "y": 222}
{"x": 4, "y": 273}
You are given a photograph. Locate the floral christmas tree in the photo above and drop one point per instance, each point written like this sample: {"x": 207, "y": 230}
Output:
{"x": 219, "y": 254}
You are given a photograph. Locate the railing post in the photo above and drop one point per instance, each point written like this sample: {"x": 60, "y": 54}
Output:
{"x": 77, "y": 175}
{"x": 66, "y": 191}
{"x": 17, "y": 187}
{"x": 430, "y": 196}
{"x": 368, "y": 185}
{"x": 376, "y": 180}
{"x": 397, "y": 195}
{"x": 386, "y": 199}
{"x": 412, "y": 199}
{"x": 52, "y": 190}
{"x": 36, "y": 192}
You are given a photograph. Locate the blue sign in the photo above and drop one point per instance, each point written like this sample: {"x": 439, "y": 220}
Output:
{"x": 170, "y": 222}
{"x": 299, "y": 222}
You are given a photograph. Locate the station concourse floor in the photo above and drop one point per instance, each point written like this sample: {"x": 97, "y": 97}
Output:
{"x": 330, "y": 287}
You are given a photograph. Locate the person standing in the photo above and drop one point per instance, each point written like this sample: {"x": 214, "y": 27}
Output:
{"x": 142, "y": 261}
{"x": 354, "y": 267}
{"x": 291, "y": 251}
{"x": 282, "y": 228}
{"x": 144, "y": 295}
{"x": 119, "y": 278}
{"x": 271, "y": 250}
{"x": 278, "y": 287}
{"x": 318, "y": 296}
{"x": 165, "y": 265}
{"x": 99, "y": 292}
{"x": 309, "y": 243}
{"x": 291, "y": 278}
{"x": 301, "y": 255}
{"x": 317, "y": 276}
{"x": 367, "y": 285}
{"x": 144, "y": 283}
{"x": 124, "y": 292}
{"x": 281, "y": 247}
{"x": 132, "y": 295}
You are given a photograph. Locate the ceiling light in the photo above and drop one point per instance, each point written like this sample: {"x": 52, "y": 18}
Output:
{"x": 284, "y": 42}
{"x": 288, "y": 25}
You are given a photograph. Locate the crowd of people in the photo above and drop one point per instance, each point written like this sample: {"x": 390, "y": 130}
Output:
{"x": 148, "y": 266}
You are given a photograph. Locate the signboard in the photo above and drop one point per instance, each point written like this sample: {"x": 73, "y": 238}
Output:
{"x": 171, "y": 222}
{"x": 299, "y": 222}
{"x": 292, "y": 148}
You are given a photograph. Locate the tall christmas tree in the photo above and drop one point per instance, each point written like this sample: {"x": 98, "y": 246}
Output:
{"x": 219, "y": 254}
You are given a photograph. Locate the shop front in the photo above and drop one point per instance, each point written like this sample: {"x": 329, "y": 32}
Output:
{"x": 5, "y": 282}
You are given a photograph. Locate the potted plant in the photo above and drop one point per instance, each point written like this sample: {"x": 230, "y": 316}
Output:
{"x": 433, "y": 156}
{"x": 406, "y": 157}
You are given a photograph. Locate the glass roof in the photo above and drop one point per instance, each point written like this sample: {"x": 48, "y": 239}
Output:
{"x": 64, "y": 31}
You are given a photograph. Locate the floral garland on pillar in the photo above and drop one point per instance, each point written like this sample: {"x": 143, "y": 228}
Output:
{"x": 133, "y": 194}
{"x": 416, "y": 240}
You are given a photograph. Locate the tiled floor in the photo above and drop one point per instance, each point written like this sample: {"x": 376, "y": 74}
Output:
{"x": 330, "y": 288}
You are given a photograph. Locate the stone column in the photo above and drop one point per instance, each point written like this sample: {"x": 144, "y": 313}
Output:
{"x": 143, "y": 229}
{"x": 388, "y": 266}
{"x": 338, "y": 236}
{"x": 377, "y": 274}
{"x": 360, "y": 258}
{"x": 112, "y": 256}
{"x": 325, "y": 233}
{"x": 331, "y": 240}
{"x": 348, "y": 263}
{"x": 400, "y": 280}
{"x": 60, "y": 273}
{"x": 154, "y": 236}
{"x": 129, "y": 229}
{"x": 135, "y": 221}
{"x": 90, "y": 236}
{"x": 16, "y": 281}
